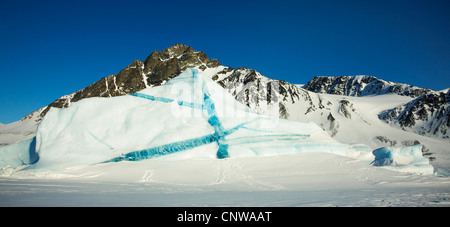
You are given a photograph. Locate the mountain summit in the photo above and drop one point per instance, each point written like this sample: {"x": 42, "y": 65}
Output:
{"x": 156, "y": 69}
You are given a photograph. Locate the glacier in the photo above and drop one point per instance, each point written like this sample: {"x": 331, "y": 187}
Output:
{"x": 189, "y": 117}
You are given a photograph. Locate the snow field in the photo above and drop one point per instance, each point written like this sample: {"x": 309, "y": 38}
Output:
{"x": 302, "y": 179}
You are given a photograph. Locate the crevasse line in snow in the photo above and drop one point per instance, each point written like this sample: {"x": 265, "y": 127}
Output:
{"x": 166, "y": 149}
{"x": 166, "y": 100}
{"x": 181, "y": 146}
{"x": 99, "y": 140}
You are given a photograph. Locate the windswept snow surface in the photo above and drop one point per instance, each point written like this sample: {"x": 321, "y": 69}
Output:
{"x": 303, "y": 179}
{"x": 189, "y": 143}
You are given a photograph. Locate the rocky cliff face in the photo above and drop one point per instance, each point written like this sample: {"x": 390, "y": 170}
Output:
{"x": 361, "y": 86}
{"x": 155, "y": 70}
{"x": 260, "y": 93}
{"x": 428, "y": 114}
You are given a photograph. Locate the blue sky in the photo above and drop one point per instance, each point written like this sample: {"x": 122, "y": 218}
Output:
{"x": 53, "y": 48}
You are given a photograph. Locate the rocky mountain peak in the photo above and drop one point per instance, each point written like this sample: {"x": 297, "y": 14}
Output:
{"x": 176, "y": 50}
{"x": 155, "y": 70}
{"x": 173, "y": 60}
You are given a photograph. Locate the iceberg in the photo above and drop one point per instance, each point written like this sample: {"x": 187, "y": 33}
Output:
{"x": 19, "y": 154}
{"x": 189, "y": 117}
{"x": 407, "y": 158}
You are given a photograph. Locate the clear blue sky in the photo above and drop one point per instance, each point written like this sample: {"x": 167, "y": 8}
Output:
{"x": 52, "y": 48}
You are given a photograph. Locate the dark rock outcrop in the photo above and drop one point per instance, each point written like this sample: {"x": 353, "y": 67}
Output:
{"x": 361, "y": 86}
{"x": 155, "y": 70}
{"x": 428, "y": 114}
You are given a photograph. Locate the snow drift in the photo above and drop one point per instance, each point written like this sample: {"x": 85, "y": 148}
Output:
{"x": 189, "y": 117}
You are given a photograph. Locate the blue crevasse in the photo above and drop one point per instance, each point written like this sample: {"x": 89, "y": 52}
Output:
{"x": 214, "y": 121}
{"x": 166, "y": 100}
{"x": 406, "y": 157}
{"x": 383, "y": 157}
{"x": 166, "y": 149}
{"x": 222, "y": 152}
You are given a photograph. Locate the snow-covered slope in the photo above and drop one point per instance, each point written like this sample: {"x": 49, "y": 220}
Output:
{"x": 20, "y": 130}
{"x": 428, "y": 114}
{"x": 348, "y": 119}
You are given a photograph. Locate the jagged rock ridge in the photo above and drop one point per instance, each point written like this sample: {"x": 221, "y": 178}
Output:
{"x": 262, "y": 94}
{"x": 361, "y": 86}
{"x": 153, "y": 71}
{"x": 428, "y": 114}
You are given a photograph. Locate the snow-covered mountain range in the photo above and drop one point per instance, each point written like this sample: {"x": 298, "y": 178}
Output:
{"x": 427, "y": 114}
{"x": 361, "y": 86}
{"x": 352, "y": 109}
